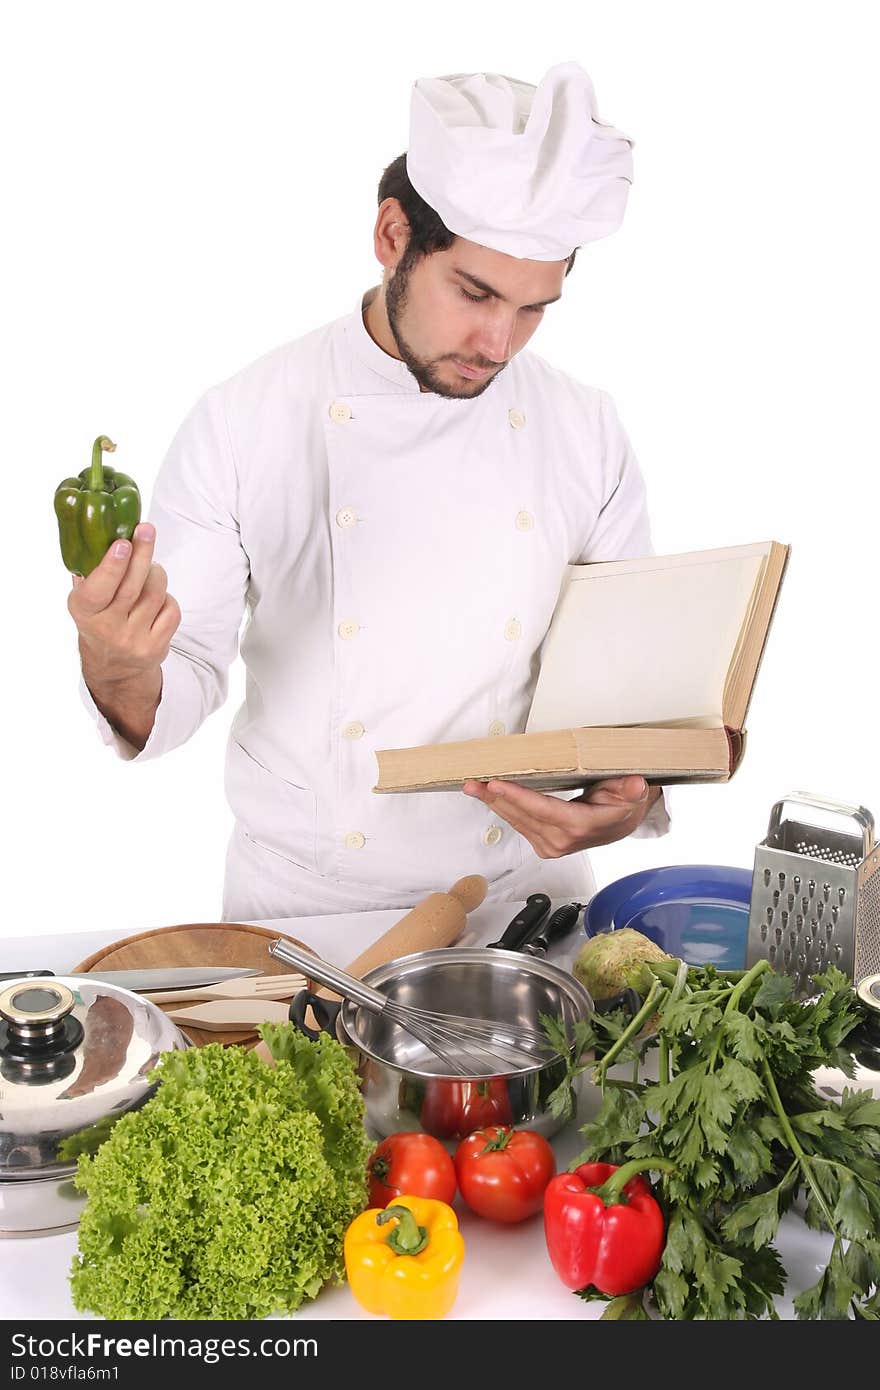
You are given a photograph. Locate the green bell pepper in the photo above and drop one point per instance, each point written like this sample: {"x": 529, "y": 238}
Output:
{"x": 95, "y": 509}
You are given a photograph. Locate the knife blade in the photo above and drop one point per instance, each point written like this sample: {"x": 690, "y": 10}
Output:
{"x": 141, "y": 981}
{"x": 524, "y": 924}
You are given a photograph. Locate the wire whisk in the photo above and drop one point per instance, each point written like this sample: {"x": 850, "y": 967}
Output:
{"x": 466, "y": 1046}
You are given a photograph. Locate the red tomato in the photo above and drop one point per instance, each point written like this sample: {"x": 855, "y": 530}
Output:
{"x": 502, "y": 1172}
{"x": 483, "y": 1103}
{"x": 441, "y": 1108}
{"x": 413, "y": 1164}
{"x": 454, "y": 1109}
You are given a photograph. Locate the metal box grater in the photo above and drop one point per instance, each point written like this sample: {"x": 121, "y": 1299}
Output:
{"x": 816, "y": 893}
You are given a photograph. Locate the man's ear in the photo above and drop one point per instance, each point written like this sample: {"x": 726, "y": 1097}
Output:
{"x": 391, "y": 233}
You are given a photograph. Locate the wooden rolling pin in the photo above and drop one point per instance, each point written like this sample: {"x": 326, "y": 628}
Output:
{"x": 438, "y": 920}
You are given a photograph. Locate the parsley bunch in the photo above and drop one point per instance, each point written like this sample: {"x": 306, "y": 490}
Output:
{"x": 735, "y": 1110}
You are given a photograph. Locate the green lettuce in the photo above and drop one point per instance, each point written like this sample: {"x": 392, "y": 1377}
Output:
{"x": 228, "y": 1194}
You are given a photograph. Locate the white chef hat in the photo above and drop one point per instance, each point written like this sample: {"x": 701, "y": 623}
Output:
{"x": 531, "y": 171}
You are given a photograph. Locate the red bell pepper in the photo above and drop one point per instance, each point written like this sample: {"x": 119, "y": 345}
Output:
{"x": 603, "y": 1226}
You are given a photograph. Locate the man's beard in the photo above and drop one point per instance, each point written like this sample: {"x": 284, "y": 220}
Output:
{"x": 423, "y": 371}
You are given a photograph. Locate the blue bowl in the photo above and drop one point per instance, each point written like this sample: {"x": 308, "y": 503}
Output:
{"x": 698, "y": 912}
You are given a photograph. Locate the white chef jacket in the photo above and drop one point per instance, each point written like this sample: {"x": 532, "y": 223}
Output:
{"x": 398, "y": 556}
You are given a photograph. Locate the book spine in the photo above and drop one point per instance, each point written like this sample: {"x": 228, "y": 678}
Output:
{"x": 736, "y": 743}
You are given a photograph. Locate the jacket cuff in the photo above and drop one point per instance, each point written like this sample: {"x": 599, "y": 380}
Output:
{"x": 161, "y": 735}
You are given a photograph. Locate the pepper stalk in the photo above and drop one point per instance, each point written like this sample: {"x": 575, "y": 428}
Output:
{"x": 96, "y": 472}
{"x": 407, "y": 1237}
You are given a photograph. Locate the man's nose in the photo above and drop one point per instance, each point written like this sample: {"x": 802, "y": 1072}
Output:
{"x": 494, "y": 342}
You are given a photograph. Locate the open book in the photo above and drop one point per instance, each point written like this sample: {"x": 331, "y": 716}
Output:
{"x": 648, "y": 666}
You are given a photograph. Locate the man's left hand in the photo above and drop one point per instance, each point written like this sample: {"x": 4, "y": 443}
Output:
{"x": 608, "y": 811}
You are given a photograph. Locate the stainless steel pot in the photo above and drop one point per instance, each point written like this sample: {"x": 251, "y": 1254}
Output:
{"x": 74, "y": 1057}
{"x": 404, "y": 1085}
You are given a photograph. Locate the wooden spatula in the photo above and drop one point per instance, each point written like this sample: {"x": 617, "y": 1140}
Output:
{"x": 229, "y": 1015}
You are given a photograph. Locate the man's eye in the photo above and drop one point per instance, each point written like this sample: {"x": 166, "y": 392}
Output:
{"x": 481, "y": 299}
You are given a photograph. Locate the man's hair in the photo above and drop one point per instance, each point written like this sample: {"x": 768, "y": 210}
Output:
{"x": 428, "y": 231}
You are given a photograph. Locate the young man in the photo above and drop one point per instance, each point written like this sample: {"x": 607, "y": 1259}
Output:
{"x": 392, "y": 500}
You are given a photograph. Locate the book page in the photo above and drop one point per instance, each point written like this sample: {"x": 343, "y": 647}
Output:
{"x": 749, "y": 653}
{"x": 645, "y": 641}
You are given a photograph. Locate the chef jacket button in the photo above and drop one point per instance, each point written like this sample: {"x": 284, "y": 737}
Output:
{"x": 340, "y": 412}
{"x": 354, "y": 730}
{"x": 349, "y": 629}
{"x": 496, "y": 728}
{"x": 355, "y": 840}
{"x": 346, "y": 516}
{"x": 524, "y": 521}
{"x": 492, "y": 835}
{"x": 513, "y": 630}
{"x": 516, "y": 418}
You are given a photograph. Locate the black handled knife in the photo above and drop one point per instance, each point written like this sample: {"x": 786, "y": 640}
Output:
{"x": 552, "y": 929}
{"x": 525, "y": 923}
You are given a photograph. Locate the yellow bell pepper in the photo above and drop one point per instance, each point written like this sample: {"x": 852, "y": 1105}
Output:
{"x": 411, "y": 1271}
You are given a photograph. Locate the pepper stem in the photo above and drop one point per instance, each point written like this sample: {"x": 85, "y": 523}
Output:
{"x": 96, "y": 472}
{"x": 408, "y": 1237}
{"x": 611, "y": 1191}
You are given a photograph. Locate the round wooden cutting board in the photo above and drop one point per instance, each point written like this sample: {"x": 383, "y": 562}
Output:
{"x": 199, "y": 943}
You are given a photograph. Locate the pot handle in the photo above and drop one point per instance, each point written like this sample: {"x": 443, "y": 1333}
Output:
{"x": 326, "y": 1012}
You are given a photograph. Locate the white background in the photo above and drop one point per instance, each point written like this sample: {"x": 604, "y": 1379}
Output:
{"x": 188, "y": 185}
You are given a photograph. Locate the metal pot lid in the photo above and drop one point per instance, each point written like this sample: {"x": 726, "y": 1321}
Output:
{"x": 74, "y": 1057}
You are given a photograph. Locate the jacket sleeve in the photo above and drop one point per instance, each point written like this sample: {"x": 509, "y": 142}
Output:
{"x": 622, "y": 532}
{"x": 622, "y": 529}
{"x": 195, "y": 509}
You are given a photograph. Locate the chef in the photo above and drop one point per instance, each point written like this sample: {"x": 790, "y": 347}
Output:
{"x": 390, "y": 502}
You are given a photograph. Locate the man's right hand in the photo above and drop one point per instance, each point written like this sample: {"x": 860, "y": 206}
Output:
{"x": 126, "y": 619}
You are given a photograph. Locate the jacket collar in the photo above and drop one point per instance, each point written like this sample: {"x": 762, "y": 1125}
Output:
{"x": 375, "y": 358}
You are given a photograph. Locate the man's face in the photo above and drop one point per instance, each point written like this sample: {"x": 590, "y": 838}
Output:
{"x": 458, "y": 316}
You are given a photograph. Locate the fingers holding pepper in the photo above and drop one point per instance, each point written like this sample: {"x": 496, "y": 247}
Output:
{"x": 141, "y": 574}
{"x": 117, "y": 582}
{"x": 124, "y": 613}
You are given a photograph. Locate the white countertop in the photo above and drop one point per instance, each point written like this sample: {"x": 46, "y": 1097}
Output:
{"x": 506, "y": 1274}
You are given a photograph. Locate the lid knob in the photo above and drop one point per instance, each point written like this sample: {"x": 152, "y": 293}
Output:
{"x": 35, "y": 1013}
